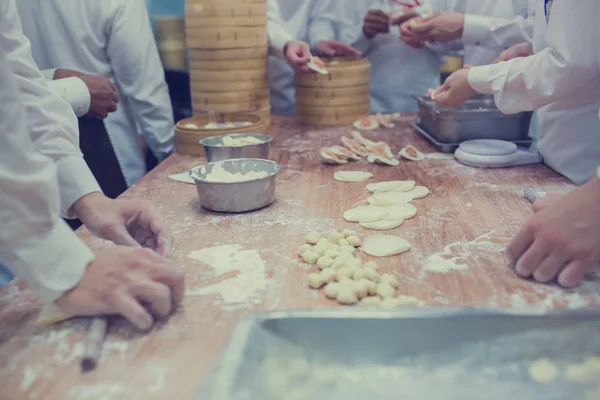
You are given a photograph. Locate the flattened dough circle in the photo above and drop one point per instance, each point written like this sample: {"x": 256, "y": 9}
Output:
{"x": 419, "y": 192}
{"x": 352, "y": 176}
{"x": 382, "y": 224}
{"x": 365, "y": 214}
{"x": 401, "y": 186}
{"x": 384, "y": 245}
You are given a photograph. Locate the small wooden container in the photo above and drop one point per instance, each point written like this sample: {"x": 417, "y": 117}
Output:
{"x": 338, "y": 98}
{"x": 186, "y": 139}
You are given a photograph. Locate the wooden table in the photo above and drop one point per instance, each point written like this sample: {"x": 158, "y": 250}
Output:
{"x": 470, "y": 216}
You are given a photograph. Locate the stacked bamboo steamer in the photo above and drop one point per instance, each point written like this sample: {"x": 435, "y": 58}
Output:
{"x": 338, "y": 98}
{"x": 170, "y": 39}
{"x": 189, "y": 131}
{"x": 227, "y": 51}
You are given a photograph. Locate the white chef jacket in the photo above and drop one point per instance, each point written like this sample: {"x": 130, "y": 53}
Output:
{"x": 490, "y": 26}
{"x": 295, "y": 15}
{"x": 398, "y": 71}
{"x": 277, "y": 34}
{"x": 563, "y": 79}
{"x": 51, "y": 122}
{"x": 112, "y": 38}
{"x": 37, "y": 244}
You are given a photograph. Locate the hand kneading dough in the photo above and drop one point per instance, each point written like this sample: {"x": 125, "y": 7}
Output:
{"x": 365, "y": 214}
{"x": 384, "y": 245}
{"x": 401, "y": 186}
{"x": 382, "y": 224}
{"x": 352, "y": 176}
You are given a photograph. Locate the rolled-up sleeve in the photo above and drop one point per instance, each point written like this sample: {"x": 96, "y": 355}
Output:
{"x": 51, "y": 122}
{"x": 34, "y": 241}
{"x": 558, "y": 71}
{"x": 277, "y": 34}
{"x": 140, "y": 75}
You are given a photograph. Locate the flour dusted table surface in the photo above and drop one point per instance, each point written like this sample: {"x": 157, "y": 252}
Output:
{"x": 468, "y": 219}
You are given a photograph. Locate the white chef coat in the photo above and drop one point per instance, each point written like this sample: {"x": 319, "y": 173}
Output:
{"x": 112, "y": 38}
{"x": 398, "y": 71}
{"x": 563, "y": 79}
{"x": 51, "y": 122}
{"x": 277, "y": 34}
{"x": 37, "y": 244}
{"x": 490, "y": 26}
{"x": 295, "y": 15}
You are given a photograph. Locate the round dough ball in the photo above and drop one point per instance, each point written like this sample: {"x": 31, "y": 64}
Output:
{"x": 543, "y": 371}
{"x": 389, "y": 279}
{"x": 348, "y": 232}
{"x": 371, "y": 264}
{"x": 328, "y": 275}
{"x": 362, "y": 288}
{"x": 359, "y": 274}
{"x": 340, "y": 262}
{"x": 345, "y": 272}
{"x": 331, "y": 290}
{"x": 315, "y": 281}
{"x": 332, "y": 253}
{"x": 324, "y": 262}
{"x": 384, "y": 290}
{"x": 313, "y": 237}
{"x": 371, "y": 275}
{"x": 343, "y": 242}
{"x": 354, "y": 262}
{"x": 320, "y": 251}
{"x": 347, "y": 249}
{"x": 335, "y": 236}
{"x": 304, "y": 248}
{"x": 346, "y": 282}
{"x": 384, "y": 245}
{"x": 372, "y": 288}
{"x": 354, "y": 241}
{"x": 347, "y": 295}
{"x": 371, "y": 301}
{"x": 310, "y": 257}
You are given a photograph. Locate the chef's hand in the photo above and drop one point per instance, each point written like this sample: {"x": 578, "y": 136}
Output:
{"x": 406, "y": 15}
{"x": 455, "y": 91}
{"x": 375, "y": 23}
{"x": 524, "y": 49}
{"x": 297, "y": 55}
{"x": 543, "y": 202}
{"x": 137, "y": 284}
{"x": 103, "y": 94}
{"x": 132, "y": 223}
{"x": 407, "y": 36}
{"x": 333, "y": 48}
{"x": 441, "y": 27}
{"x": 562, "y": 240}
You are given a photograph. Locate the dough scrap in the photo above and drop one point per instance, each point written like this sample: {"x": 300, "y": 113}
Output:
{"x": 365, "y": 214}
{"x": 384, "y": 290}
{"x": 367, "y": 123}
{"x": 394, "y": 197}
{"x": 371, "y": 264}
{"x": 354, "y": 241}
{"x": 315, "y": 281}
{"x": 344, "y": 153}
{"x": 543, "y": 371}
{"x": 384, "y": 245}
{"x": 352, "y": 176}
{"x": 411, "y": 153}
{"x": 390, "y": 280}
{"x": 328, "y": 275}
{"x": 183, "y": 177}
{"x": 347, "y": 295}
{"x": 332, "y": 289}
{"x": 313, "y": 238}
{"x": 382, "y": 224}
{"x": 324, "y": 262}
{"x": 401, "y": 186}
{"x": 309, "y": 257}
{"x": 371, "y": 274}
{"x": 304, "y": 248}
{"x": 407, "y": 301}
{"x": 419, "y": 192}
{"x": 334, "y": 237}
{"x": 440, "y": 156}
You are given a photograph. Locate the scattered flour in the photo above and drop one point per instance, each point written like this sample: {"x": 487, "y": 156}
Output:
{"x": 30, "y": 374}
{"x": 101, "y": 391}
{"x": 251, "y": 279}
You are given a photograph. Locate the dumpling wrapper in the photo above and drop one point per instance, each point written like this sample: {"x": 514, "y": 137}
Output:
{"x": 384, "y": 245}
{"x": 365, "y": 214}
{"x": 388, "y": 186}
{"x": 360, "y": 139}
{"x": 352, "y": 176}
{"x": 317, "y": 65}
{"x": 398, "y": 211}
{"x": 382, "y": 224}
{"x": 411, "y": 153}
{"x": 385, "y": 120}
{"x": 419, "y": 192}
{"x": 344, "y": 153}
{"x": 367, "y": 123}
{"x": 183, "y": 177}
{"x": 394, "y": 197}
{"x": 330, "y": 158}
{"x": 373, "y": 158}
{"x": 355, "y": 147}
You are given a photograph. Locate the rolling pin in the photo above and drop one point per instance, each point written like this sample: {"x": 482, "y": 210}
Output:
{"x": 94, "y": 343}
{"x": 532, "y": 195}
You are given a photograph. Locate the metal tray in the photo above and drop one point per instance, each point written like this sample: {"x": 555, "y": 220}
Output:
{"x": 422, "y": 354}
{"x": 478, "y": 118}
{"x": 451, "y": 147}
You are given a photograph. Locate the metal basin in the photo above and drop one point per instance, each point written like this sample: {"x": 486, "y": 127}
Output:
{"x": 215, "y": 151}
{"x": 236, "y": 197}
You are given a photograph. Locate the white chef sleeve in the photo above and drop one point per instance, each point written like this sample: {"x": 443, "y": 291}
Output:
{"x": 75, "y": 92}
{"x": 34, "y": 241}
{"x": 322, "y": 21}
{"x": 51, "y": 122}
{"x": 524, "y": 84}
{"x": 500, "y": 33}
{"x": 277, "y": 34}
{"x": 140, "y": 75}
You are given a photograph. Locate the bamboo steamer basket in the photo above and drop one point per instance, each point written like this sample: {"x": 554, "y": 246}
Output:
{"x": 226, "y": 37}
{"x": 186, "y": 139}
{"x": 170, "y": 28}
{"x": 338, "y": 98}
{"x": 228, "y": 65}
{"x": 264, "y": 113}
{"x": 231, "y": 101}
{"x": 260, "y": 52}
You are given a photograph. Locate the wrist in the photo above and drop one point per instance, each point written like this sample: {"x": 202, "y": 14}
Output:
{"x": 88, "y": 204}
{"x": 61, "y": 73}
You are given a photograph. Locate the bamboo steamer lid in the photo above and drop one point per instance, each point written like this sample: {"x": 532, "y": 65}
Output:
{"x": 258, "y": 52}
{"x": 343, "y": 72}
{"x": 226, "y": 37}
{"x": 186, "y": 139}
{"x": 333, "y": 96}
{"x": 228, "y": 65}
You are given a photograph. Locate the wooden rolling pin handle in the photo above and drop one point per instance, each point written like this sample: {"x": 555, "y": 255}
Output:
{"x": 94, "y": 344}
